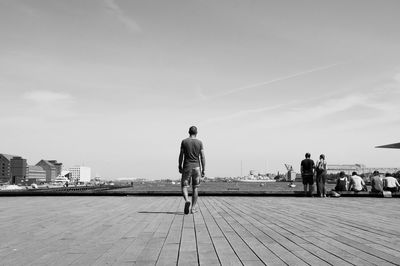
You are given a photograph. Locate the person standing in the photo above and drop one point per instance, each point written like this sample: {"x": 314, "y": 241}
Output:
{"x": 307, "y": 174}
{"x": 321, "y": 176}
{"x": 191, "y": 166}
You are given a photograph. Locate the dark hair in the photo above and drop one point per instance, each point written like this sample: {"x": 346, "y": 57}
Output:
{"x": 308, "y": 155}
{"x": 322, "y": 156}
{"x": 341, "y": 173}
{"x": 376, "y": 172}
{"x": 387, "y": 174}
{"x": 193, "y": 130}
{"x": 354, "y": 173}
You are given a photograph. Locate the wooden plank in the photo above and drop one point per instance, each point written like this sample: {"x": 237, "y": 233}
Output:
{"x": 243, "y": 251}
{"x": 296, "y": 250}
{"x": 325, "y": 248}
{"x": 226, "y": 254}
{"x": 188, "y": 245}
{"x": 339, "y": 234}
{"x": 227, "y": 231}
{"x": 206, "y": 250}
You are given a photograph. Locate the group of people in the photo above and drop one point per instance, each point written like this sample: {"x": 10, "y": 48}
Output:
{"x": 192, "y": 167}
{"x": 356, "y": 183}
{"x": 379, "y": 183}
{"x": 308, "y": 170}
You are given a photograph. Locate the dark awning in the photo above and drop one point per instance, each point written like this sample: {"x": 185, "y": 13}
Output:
{"x": 390, "y": 146}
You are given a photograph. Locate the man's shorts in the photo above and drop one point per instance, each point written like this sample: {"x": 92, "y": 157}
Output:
{"x": 191, "y": 176}
{"x": 308, "y": 179}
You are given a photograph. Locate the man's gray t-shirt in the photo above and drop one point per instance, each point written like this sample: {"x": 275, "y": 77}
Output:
{"x": 191, "y": 149}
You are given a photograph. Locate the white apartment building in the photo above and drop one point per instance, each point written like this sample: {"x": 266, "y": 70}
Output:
{"x": 80, "y": 173}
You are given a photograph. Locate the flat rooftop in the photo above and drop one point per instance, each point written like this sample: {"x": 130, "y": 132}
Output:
{"x": 226, "y": 231}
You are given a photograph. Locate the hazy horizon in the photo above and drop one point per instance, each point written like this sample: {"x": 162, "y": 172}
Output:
{"x": 116, "y": 84}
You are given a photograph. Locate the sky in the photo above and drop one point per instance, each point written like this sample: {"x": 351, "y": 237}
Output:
{"x": 116, "y": 84}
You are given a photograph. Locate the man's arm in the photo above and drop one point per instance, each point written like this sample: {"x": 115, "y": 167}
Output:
{"x": 180, "y": 161}
{"x": 203, "y": 163}
{"x": 351, "y": 183}
{"x": 301, "y": 168}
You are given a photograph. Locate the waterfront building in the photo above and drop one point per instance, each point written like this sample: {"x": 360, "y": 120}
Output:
{"x": 35, "y": 174}
{"x": 80, "y": 174}
{"x": 50, "y": 169}
{"x": 57, "y": 165}
{"x": 5, "y": 167}
{"x": 359, "y": 168}
{"x": 347, "y": 168}
{"x": 18, "y": 170}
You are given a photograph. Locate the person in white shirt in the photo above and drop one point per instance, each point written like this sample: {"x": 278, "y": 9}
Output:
{"x": 390, "y": 183}
{"x": 357, "y": 184}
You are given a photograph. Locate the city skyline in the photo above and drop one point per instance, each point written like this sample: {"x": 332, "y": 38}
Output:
{"x": 116, "y": 84}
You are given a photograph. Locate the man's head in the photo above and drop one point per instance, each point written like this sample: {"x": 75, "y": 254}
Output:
{"x": 193, "y": 131}
{"x": 308, "y": 155}
{"x": 354, "y": 173}
{"x": 387, "y": 174}
{"x": 322, "y": 157}
{"x": 341, "y": 174}
{"x": 376, "y": 173}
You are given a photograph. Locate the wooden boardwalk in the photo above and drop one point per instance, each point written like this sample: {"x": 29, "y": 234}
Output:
{"x": 226, "y": 231}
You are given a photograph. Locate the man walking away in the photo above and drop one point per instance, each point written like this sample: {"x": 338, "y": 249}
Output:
{"x": 307, "y": 174}
{"x": 191, "y": 166}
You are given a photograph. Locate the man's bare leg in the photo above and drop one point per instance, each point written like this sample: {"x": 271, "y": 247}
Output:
{"x": 195, "y": 195}
{"x": 186, "y": 197}
{"x": 185, "y": 193}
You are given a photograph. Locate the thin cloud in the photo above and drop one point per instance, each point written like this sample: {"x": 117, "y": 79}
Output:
{"x": 276, "y": 80}
{"x": 43, "y": 96}
{"x": 130, "y": 23}
{"x": 48, "y": 105}
{"x": 244, "y": 113}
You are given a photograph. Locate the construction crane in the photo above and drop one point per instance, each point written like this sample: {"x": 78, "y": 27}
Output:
{"x": 291, "y": 175}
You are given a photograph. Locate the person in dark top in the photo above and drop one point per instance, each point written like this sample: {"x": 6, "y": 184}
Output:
{"x": 307, "y": 174}
{"x": 376, "y": 182}
{"x": 320, "y": 170}
{"x": 191, "y": 166}
{"x": 342, "y": 182}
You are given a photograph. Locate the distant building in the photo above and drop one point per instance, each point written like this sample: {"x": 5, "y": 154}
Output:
{"x": 18, "y": 170}
{"x": 50, "y": 168}
{"x": 80, "y": 174}
{"x": 347, "y": 168}
{"x": 359, "y": 168}
{"x": 35, "y": 174}
{"x": 5, "y": 167}
{"x": 57, "y": 165}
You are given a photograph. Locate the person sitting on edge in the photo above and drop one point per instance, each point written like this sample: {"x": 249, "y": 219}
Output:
{"x": 342, "y": 182}
{"x": 390, "y": 183}
{"x": 357, "y": 184}
{"x": 191, "y": 165}
{"x": 376, "y": 182}
{"x": 307, "y": 174}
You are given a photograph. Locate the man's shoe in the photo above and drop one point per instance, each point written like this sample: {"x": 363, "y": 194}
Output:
{"x": 187, "y": 206}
